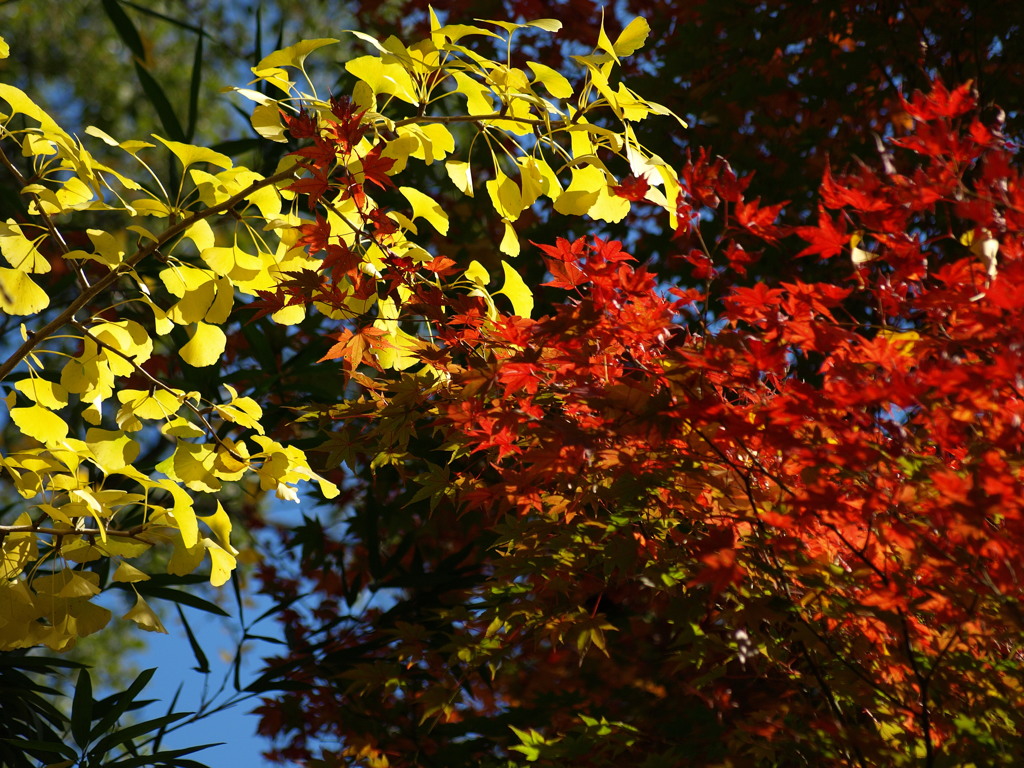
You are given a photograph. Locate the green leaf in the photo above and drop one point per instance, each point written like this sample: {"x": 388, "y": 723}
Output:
{"x": 193, "y": 88}
{"x": 178, "y": 596}
{"x": 124, "y": 700}
{"x": 81, "y": 709}
{"x": 43, "y": 746}
{"x": 155, "y": 93}
{"x": 202, "y": 663}
{"x": 125, "y": 735}
{"x": 125, "y": 28}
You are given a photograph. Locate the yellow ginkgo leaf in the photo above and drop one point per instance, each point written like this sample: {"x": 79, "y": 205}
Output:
{"x": 46, "y": 393}
{"x": 383, "y": 78}
{"x": 509, "y": 241}
{"x": 581, "y": 193}
{"x": 40, "y": 423}
{"x": 506, "y": 196}
{"x": 266, "y": 120}
{"x": 189, "y": 154}
{"x": 206, "y": 346}
{"x": 21, "y": 252}
{"x": 425, "y": 207}
{"x": 553, "y": 80}
{"x": 292, "y": 56}
{"x": 632, "y": 38}
{"x": 144, "y": 616}
{"x": 517, "y": 291}
{"x": 128, "y": 573}
{"x": 220, "y": 524}
{"x": 477, "y": 273}
{"x": 222, "y": 563}
{"x": 19, "y": 295}
{"x": 112, "y": 450}
{"x": 459, "y": 173}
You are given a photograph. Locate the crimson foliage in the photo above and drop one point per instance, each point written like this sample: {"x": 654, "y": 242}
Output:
{"x": 729, "y": 521}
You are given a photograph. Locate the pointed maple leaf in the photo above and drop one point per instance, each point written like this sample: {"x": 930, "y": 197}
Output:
{"x": 321, "y": 153}
{"x": 563, "y": 250}
{"x": 632, "y": 188}
{"x": 340, "y": 259}
{"x": 441, "y": 266}
{"x": 382, "y": 223}
{"x": 355, "y": 347}
{"x": 375, "y": 167}
{"x": 268, "y": 303}
{"x": 313, "y": 186}
{"x": 759, "y": 220}
{"x": 315, "y": 235}
{"x": 826, "y": 239}
{"x": 302, "y": 125}
{"x": 347, "y": 132}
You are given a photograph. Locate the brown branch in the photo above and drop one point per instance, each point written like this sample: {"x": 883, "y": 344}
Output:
{"x": 131, "y": 533}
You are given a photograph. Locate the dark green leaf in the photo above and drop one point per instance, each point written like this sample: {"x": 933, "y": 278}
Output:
{"x": 193, "y": 89}
{"x": 126, "y": 735}
{"x": 124, "y": 700}
{"x": 202, "y": 663}
{"x": 166, "y": 757}
{"x": 157, "y": 97}
{"x": 81, "y": 710}
{"x": 125, "y": 28}
{"x": 178, "y": 596}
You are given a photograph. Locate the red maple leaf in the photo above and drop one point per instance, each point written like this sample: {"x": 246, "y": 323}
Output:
{"x": 826, "y": 239}
{"x": 375, "y": 167}
{"x": 315, "y": 235}
{"x": 632, "y": 188}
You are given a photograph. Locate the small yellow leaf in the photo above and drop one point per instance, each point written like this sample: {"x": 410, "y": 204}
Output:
{"x": 206, "y": 346}
{"x": 220, "y": 524}
{"x": 109, "y": 250}
{"x": 510, "y": 241}
{"x": 5, "y": 50}
{"x": 45, "y": 393}
{"x": 553, "y": 80}
{"x": 292, "y": 56}
{"x": 548, "y": 25}
{"x": 112, "y": 450}
{"x": 189, "y": 154}
{"x": 266, "y": 120}
{"x": 391, "y": 78}
{"x": 40, "y": 423}
{"x": 505, "y": 196}
{"x": 476, "y": 273}
{"x": 127, "y": 573}
{"x": 517, "y": 291}
{"x": 19, "y": 295}
{"x": 222, "y": 563}
{"x": 20, "y": 252}
{"x": 604, "y": 42}
{"x": 183, "y": 514}
{"x": 459, "y": 173}
{"x": 581, "y": 193}
{"x": 478, "y": 96}
{"x": 144, "y": 616}
{"x": 633, "y": 37}
{"x": 425, "y": 207}
{"x": 193, "y": 465}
